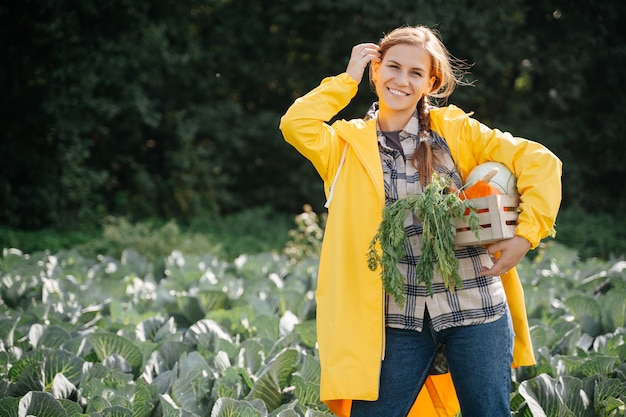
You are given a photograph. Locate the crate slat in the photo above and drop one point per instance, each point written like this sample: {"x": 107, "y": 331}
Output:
{"x": 498, "y": 218}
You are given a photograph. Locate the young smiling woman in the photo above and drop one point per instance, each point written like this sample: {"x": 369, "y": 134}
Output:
{"x": 376, "y": 357}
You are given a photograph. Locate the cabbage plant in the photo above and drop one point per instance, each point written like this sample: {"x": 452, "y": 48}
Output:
{"x": 200, "y": 336}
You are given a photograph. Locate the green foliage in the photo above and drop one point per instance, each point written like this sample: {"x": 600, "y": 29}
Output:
{"x": 305, "y": 240}
{"x": 40, "y": 240}
{"x": 592, "y": 233}
{"x": 102, "y": 335}
{"x": 251, "y": 231}
{"x": 150, "y": 354}
{"x": 578, "y": 326}
{"x": 169, "y": 109}
{"x": 154, "y": 239}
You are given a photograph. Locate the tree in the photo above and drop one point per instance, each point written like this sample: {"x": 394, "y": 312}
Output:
{"x": 171, "y": 108}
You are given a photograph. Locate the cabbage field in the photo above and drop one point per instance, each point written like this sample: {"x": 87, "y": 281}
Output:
{"x": 201, "y": 336}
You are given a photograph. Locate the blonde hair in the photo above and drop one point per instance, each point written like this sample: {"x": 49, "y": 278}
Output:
{"x": 448, "y": 72}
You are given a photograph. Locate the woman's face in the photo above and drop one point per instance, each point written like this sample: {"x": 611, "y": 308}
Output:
{"x": 402, "y": 78}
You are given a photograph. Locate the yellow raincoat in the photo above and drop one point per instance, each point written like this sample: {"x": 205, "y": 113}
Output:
{"x": 350, "y": 298}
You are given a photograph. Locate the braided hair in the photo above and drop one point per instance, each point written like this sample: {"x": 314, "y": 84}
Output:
{"x": 423, "y": 158}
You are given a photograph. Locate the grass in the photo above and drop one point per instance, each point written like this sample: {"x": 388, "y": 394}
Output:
{"x": 263, "y": 230}
{"x": 253, "y": 231}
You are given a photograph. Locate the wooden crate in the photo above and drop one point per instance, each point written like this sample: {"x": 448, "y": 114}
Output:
{"x": 498, "y": 218}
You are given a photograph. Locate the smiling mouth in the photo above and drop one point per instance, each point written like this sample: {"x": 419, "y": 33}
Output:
{"x": 397, "y": 92}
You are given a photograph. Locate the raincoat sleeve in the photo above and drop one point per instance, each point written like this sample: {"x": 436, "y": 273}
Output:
{"x": 538, "y": 171}
{"x": 304, "y": 124}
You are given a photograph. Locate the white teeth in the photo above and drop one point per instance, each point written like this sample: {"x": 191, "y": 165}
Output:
{"x": 397, "y": 92}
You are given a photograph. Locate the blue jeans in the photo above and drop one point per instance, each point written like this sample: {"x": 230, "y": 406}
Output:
{"x": 479, "y": 359}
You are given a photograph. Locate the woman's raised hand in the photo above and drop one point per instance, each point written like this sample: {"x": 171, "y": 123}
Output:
{"x": 362, "y": 54}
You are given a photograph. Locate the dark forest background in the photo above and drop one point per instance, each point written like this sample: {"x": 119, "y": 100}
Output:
{"x": 170, "y": 109}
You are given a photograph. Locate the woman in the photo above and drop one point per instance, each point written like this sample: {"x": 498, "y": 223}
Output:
{"x": 375, "y": 356}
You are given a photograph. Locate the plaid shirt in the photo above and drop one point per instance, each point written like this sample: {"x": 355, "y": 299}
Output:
{"x": 481, "y": 298}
